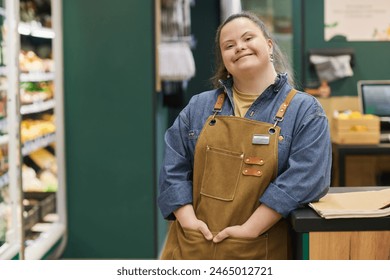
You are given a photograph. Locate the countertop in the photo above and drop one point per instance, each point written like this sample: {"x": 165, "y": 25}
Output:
{"x": 307, "y": 220}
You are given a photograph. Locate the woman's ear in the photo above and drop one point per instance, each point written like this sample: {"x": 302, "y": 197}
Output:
{"x": 270, "y": 45}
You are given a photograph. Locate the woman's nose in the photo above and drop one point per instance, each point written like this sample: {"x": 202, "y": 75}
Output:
{"x": 240, "y": 46}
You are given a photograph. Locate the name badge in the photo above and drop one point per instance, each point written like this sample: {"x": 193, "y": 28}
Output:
{"x": 260, "y": 139}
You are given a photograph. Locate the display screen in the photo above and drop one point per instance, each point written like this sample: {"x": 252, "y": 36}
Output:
{"x": 375, "y": 99}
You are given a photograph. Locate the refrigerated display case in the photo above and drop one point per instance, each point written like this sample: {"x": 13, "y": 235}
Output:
{"x": 10, "y": 215}
{"x": 35, "y": 122}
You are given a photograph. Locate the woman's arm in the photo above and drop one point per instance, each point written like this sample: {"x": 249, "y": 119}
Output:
{"x": 306, "y": 174}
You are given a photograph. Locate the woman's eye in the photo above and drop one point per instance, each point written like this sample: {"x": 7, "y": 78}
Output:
{"x": 248, "y": 38}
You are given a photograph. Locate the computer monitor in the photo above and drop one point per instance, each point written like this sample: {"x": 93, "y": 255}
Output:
{"x": 374, "y": 98}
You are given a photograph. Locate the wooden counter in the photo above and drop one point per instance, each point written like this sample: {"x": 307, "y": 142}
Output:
{"x": 340, "y": 239}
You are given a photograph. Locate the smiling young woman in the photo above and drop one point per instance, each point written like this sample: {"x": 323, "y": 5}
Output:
{"x": 240, "y": 157}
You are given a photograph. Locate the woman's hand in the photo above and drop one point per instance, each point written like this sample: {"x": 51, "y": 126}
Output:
{"x": 242, "y": 231}
{"x": 259, "y": 222}
{"x": 187, "y": 219}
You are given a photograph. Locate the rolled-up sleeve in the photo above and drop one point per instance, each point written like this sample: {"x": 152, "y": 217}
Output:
{"x": 306, "y": 177}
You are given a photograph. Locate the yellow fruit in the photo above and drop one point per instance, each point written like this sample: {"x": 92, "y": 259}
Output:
{"x": 342, "y": 116}
{"x": 355, "y": 115}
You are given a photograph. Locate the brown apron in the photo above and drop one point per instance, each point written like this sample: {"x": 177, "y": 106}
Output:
{"x": 235, "y": 160}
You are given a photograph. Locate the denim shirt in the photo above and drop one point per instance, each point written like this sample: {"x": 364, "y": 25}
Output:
{"x": 304, "y": 154}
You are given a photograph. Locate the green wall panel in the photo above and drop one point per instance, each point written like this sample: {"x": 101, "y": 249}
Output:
{"x": 372, "y": 59}
{"x": 109, "y": 126}
{"x": 205, "y": 19}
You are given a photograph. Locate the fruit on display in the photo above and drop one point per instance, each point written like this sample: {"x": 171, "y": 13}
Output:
{"x": 347, "y": 115}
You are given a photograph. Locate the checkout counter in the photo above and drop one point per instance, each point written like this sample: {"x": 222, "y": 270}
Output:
{"x": 316, "y": 238}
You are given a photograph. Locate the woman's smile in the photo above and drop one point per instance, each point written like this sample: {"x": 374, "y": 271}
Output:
{"x": 242, "y": 56}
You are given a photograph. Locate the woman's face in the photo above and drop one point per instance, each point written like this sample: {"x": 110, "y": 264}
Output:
{"x": 244, "y": 48}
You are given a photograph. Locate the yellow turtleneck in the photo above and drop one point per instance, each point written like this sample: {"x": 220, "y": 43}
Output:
{"x": 242, "y": 102}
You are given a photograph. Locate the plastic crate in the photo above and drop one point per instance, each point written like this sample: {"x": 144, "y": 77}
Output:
{"x": 45, "y": 200}
{"x": 31, "y": 216}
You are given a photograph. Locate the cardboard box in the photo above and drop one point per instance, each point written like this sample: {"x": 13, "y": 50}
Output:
{"x": 363, "y": 130}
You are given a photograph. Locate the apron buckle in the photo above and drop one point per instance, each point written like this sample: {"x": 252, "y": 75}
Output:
{"x": 277, "y": 119}
{"x": 213, "y": 120}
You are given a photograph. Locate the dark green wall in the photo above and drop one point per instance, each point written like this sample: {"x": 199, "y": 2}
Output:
{"x": 109, "y": 126}
{"x": 372, "y": 59}
{"x": 205, "y": 19}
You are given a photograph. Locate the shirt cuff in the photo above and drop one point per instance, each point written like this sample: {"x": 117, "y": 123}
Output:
{"x": 173, "y": 198}
{"x": 278, "y": 200}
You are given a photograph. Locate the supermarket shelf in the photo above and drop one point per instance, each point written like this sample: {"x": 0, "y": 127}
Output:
{"x": 4, "y": 180}
{"x": 45, "y": 238}
{"x": 9, "y": 251}
{"x": 38, "y": 143}
{"x": 4, "y": 139}
{"x": 3, "y": 71}
{"x": 3, "y": 124}
{"x": 36, "y": 30}
{"x": 37, "y": 107}
{"x": 38, "y": 248}
{"x": 37, "y": 76}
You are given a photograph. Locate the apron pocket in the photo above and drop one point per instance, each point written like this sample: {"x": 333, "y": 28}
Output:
{"x": 221, "y": 173}
{"x": 243, "y": 248}
{"x": 192, "y": 246}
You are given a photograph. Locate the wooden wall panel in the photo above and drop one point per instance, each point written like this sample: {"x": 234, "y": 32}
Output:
{"x": 355, "y": 245}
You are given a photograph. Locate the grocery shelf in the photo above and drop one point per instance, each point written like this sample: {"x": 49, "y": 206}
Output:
{"x": 3, "y": 71}
{"x": 38, "y": 248}
{"x": 36, "y": 30}
{"x": 3, "y": 124}
{"x": 38, "y": 143}
{"x": 37, "y": 76}
{"x": 9, "y": 251}
{"x": 4, "y": 139}
{"x": 37, "y": 107}
{"x": 4, "y": 180}
{"x": 23, "y": 124}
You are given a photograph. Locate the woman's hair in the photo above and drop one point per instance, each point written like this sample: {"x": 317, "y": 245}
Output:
{"x": 281, "y": 63}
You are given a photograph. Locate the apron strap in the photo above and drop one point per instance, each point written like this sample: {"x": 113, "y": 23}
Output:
{"x": 282, "y": 109}
{"x": 217, "y": 107}
{"x": 219, "y": 103}
{"x": 278, "y": 117}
